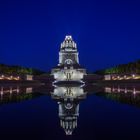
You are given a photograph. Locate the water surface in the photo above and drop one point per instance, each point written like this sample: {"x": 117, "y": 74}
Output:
{"x": 70, "y": 112}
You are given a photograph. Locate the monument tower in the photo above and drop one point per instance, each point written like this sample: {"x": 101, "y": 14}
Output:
{"x": 68, "y": 68}
{"x": 68, "y": 54}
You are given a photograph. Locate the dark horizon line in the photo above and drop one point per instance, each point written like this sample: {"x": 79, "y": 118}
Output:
{"x": 47, "y": 71}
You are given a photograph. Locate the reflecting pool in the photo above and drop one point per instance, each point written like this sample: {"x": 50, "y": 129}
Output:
{"x": 70, "y": 112}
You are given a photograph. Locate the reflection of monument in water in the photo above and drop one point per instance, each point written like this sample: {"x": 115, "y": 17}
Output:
{"x": 68, "y": 68}
{"x": 68, "y": 99}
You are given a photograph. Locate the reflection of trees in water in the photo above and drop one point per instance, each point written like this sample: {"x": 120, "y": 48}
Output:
{"x": 122, "y": 95}
{"x": 16, "y": 94}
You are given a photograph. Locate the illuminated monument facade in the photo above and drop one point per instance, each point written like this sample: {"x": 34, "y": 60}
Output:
{"x": 68, "y": 68}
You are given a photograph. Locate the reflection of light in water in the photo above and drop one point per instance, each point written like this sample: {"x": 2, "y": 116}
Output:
{"x": 17, "y": 89}
{"x": 107, "y": 89}
{"x": 113, "y": 89}
{"x": 29, "y": 90}
{"x": 121, "y": 90}
{"x": 11, "y": 90}
{"x": 125, "y": 90}
{"x": 1, "y": 92}
{"x": 133, "y": 75}
{"x": 134, "y": 91}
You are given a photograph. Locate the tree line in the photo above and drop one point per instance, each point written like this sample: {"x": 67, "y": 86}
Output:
{"x": 129, "y": 68}
{"x": 8, "y": 69}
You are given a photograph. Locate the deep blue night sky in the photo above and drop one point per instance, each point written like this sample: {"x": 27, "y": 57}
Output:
{"x": 107, "y": 32}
